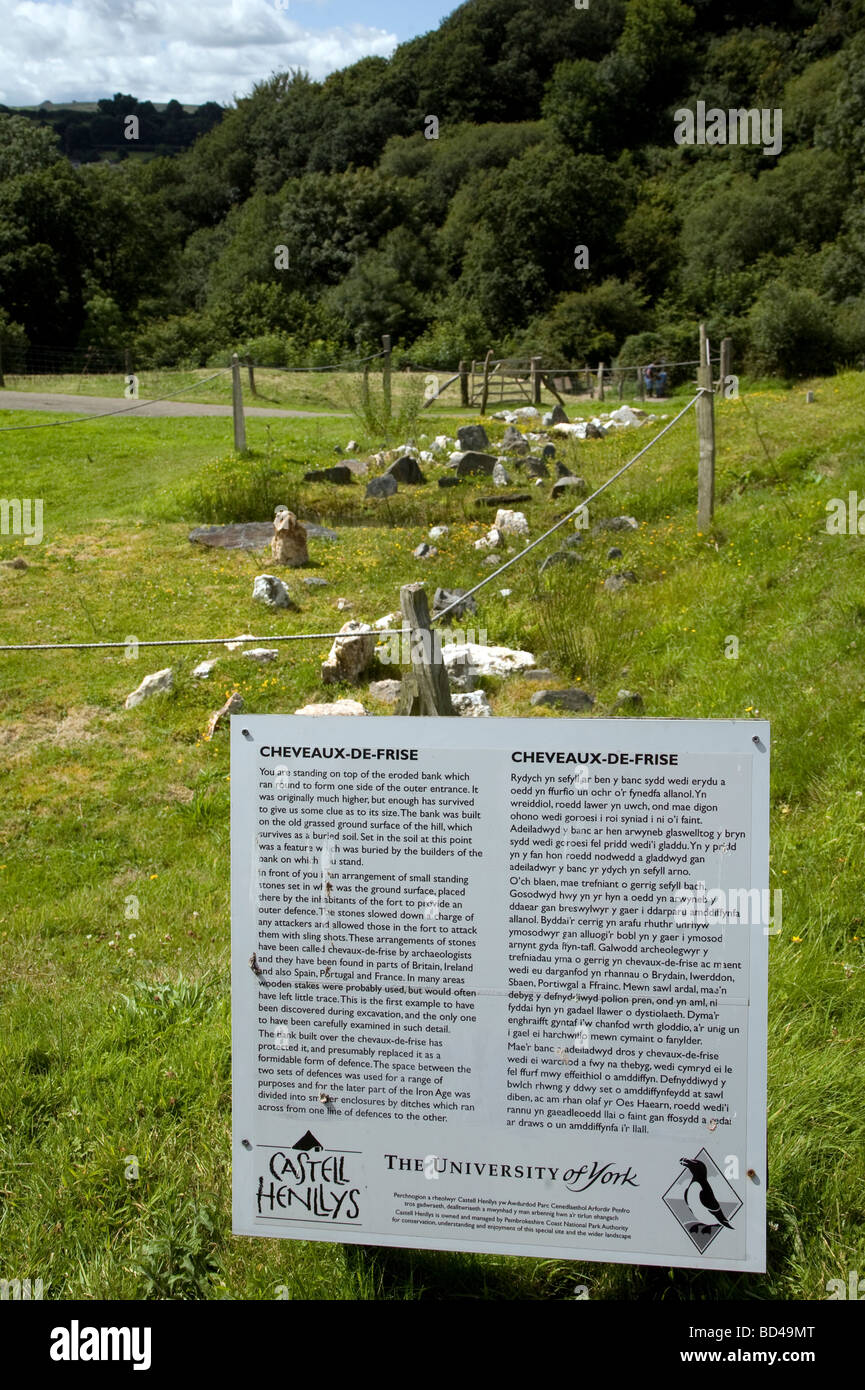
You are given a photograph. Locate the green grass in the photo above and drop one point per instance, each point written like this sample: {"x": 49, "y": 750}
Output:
{"x": 115, "y": 1043}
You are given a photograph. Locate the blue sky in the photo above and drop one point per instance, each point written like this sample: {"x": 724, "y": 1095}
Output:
{"x": 78, "y": 50}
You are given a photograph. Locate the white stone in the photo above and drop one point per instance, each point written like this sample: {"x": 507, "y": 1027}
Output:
{"x": 511, "y": 523}
{"x": 506, "y": 593}
{"x": 153, "y": 684}
{"x": 261, "y": 654}
{"x": 351, "y": 446}
{"x": 389, "y": 620}
{"x": 489, "y": 541}
{"x": 527, "y": 412}
{"x": 386, "y": 691}
{"x": 625, "y": 416}
{"x": 436, "y": 532}
{"x": 473, "y": 705}
{"x": 271, "y": 591}
{"x": 487, "y": 661}
{"x": 338, "y": 707}
{"x": 350, "y": 655}
{"x": 427, "y": 457}
{"x": 204, "y": 668}
{"x": 239, "y": 641}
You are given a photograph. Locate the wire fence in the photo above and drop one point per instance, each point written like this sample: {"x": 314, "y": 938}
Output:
{"x": 123, "y": 410}
{"x": 383, "y": 632}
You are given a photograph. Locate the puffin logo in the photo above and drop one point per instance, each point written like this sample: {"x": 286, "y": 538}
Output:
{"x": 702, "y": 1200}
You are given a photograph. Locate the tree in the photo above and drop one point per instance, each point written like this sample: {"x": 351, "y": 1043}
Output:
{"x": 25, "y": 147}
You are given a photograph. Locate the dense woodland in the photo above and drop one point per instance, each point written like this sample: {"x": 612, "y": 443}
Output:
{"x": 555, "y": 129}
{"x": 87, "y": 136}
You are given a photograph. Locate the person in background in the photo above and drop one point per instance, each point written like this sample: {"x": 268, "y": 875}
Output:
{"x": 649, "y": 378}
{"x": 660, "y": 381}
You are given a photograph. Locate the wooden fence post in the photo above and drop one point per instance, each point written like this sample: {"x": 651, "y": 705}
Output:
{"x": 726, "y": 364}
{"x": 237, "y": 405}
{"x": 385, "y": 375}
{"x": 464, "y": 384}
{"x": 425, "y": 688}
{"x": 485, "y": 390}
{"x": 251, "y": 372}
{"x": 536, "y": 380}
{"x": 600, "y": 381}
{"x": 706, "y": 438}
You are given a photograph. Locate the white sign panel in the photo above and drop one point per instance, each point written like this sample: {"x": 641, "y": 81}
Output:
{"x": 500, "y": 985}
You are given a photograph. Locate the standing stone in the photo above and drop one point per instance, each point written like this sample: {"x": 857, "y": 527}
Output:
{"x": 406, "y": 470}
{"x": 537, "y": 468}
{"x": 558, "y": 416}
{"x": 566, "y": 484}
{"x": 500, "y": 477}
{"x": 350, "y": 655}
{"x": 154, "y": 684}
{"x": 573, "y": 699}
{"x": 475, "y": 463}
{"x": 513, "y": 442}
{"x": 559, "y": 557}
{"x": 288, "y": 546}
{"x": 340, "y": 473}
{"x": 233, "y": 705}
{"x": 385, "y": 486}
{"x": 511, "y": 523}
{"x": 472, "y": 437}
{"x": 337, "y": 707}
{"x": 269, "y": 590}
{"x": 443, "y": 598}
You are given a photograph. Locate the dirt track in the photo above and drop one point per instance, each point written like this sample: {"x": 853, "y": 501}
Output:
{"x": 99, "y": 405}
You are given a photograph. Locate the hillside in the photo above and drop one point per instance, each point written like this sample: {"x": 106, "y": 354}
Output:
{"x": 554, "y": 128}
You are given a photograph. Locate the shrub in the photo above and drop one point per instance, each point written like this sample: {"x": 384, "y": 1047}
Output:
{"x": 792, "y": 331}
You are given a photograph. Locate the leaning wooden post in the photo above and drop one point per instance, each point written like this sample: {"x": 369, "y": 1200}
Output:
{"x": 485, "y": 390}
{"x": 706, "y": 438}
{"x": 385, "y": 375}
{"x": 251, "y": 373}
{"x": 425, "y": 688}
{"x": 536, "y": 380}
{"x": 237, "y": 405}
{"x": 600, "y": 381}
{"x": 726, "y": 364}
{"x": 464, "y": 384}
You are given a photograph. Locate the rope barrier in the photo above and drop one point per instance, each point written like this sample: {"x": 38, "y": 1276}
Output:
{"x": 384, "y": 632}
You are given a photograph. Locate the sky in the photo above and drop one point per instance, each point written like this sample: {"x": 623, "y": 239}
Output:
{"x": 212, "y": 50}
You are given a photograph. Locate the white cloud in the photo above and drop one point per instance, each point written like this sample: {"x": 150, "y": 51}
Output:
{"x": 78, "y": 50}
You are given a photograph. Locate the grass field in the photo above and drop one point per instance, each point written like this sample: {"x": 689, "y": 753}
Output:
{"x": 115, "y": 1043}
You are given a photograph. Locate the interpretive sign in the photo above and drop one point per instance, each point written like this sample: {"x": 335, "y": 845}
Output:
{"x": 500, "y": 985}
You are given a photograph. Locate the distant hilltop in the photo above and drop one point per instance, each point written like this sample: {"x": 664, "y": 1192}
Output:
{"x": 93, "y": 106}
